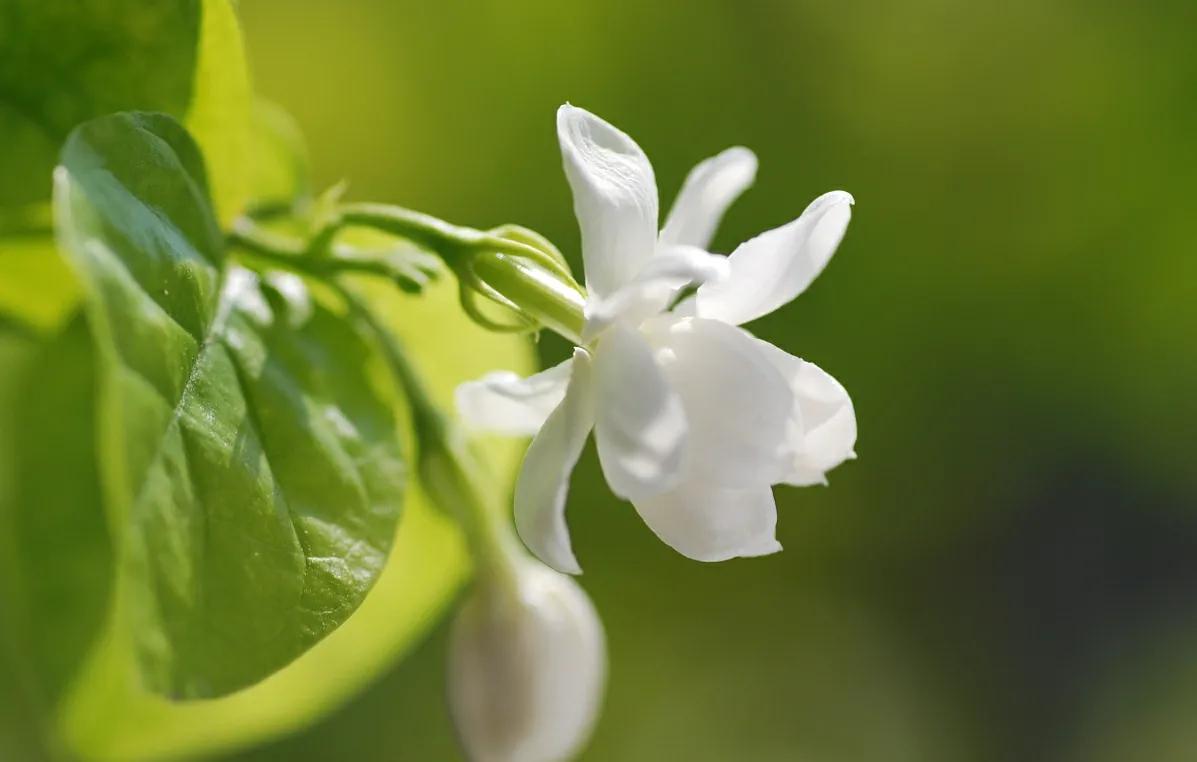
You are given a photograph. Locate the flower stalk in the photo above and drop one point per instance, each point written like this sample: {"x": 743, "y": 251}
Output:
{"x": 511, "y": 266}
{"x": 449, "y": 471}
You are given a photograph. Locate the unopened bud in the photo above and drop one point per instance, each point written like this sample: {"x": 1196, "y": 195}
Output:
{"x": 527, "y": 668}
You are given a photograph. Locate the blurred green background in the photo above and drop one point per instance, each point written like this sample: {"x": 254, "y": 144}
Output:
{"x": 1009, "y": 571}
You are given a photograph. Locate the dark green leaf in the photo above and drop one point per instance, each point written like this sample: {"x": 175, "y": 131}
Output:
{"x": 20, "y": 736}
{"x": 64, "y": 63}
{"x": 23, "y": 715}
{"x": 60, "y": 556}
{"x": 251, "y": 470}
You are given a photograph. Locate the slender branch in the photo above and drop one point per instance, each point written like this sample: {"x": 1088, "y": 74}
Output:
{"x": 450, "y": 241}
{"x": 450, "y": 472}
{"x": 511, "y": 266}
{"x": 410, "y": 272}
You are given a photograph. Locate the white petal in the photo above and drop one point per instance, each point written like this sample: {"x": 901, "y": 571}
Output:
{"x": 708, "y": 191}
{"x": 544, "y": 479}
{"x": 736, "y": 401}
{"x": 669, "y": 270}
{"x": 714, "y": 524}
{"x": 615, "y": 198}
{"x": 773, "y": 268}
{"x": 505, "y": 403}
{"x": 822, "y": 423}
{"x": 526, "y": 669}
{"x": 640, "y": 427}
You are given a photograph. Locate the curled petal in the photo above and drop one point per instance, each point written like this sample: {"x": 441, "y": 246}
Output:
{"x": 822, "y": 423}
{"x": 650, "y": 292}
{"x": 708, "y": 191}
{"x": 640, "y": 426}
{"x": 736, "y": 401}
{"x": 544, "y": 479}
{"x": 710, "y": 523}
{"x": 773, "y": 268}
{"x": 504, "y": 403}
{"x": 615, "y": 198}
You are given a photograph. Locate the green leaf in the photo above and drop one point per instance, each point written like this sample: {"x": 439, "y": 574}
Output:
{"x": 60, "y": 556}
{"x": 64, "y": 63}
{"x": 20, "y": 738}
{"x": 280, "y": 159}
{"x": 22, "y": 718}
{"x": 219, "y": 115}
{"x": 111, "y": 717}
{"x": 36, "y": 285}
{"x": 252, "y": 472}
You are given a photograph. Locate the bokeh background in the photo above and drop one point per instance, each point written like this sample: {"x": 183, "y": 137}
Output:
{"x": 1009, "y": 571}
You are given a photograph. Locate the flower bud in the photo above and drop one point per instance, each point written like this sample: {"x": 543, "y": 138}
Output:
{"x": 527, "y": 667}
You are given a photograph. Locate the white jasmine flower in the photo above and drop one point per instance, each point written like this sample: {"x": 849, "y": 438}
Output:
{"x": 695, "y": 419}
{"x": 526, "y": 668}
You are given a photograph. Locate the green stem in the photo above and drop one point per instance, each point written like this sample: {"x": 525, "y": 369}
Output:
{"x": 423, "y": 229}
{"x": 290, "y": 254}
{"x": 531, "y": 279}
{"x": 449, "y": 471}
{"x": 249, "y": 236}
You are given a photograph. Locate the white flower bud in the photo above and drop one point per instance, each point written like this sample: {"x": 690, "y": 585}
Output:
{"x": 527, "y": 667}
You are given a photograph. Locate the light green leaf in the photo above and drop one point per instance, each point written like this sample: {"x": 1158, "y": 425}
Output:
{"x": 280, "y": 159}
{"x": 64, "y": 63}
{"x": 252, "y": 473}
{"x": 35, "y": 283}
{"x": 219, "y": 115}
